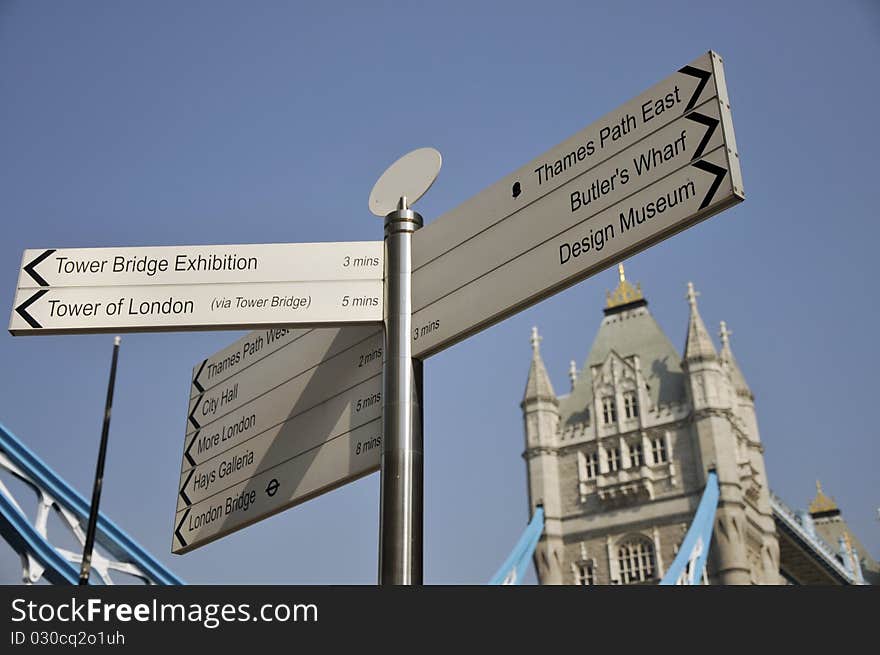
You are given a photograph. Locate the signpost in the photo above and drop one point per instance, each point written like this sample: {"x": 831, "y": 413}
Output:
{"x": 285, "y": 414}
{"x": 301, "y": 408}
{"x": 197, "y": 287}
{"x": 660, "y": 163}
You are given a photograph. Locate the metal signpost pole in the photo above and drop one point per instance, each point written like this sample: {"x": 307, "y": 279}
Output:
{"x": 400, "y": 522}
{"x": 99, "y": 473}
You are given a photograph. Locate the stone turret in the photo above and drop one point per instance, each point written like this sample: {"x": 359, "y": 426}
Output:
{"x": 716, "y": 444}
{"x": 540, "y": 408}
{"x": 753, "y": 477}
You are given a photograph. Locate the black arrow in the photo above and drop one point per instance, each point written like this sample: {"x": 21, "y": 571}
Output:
{"x": 192, "y": 417}
{"x": 177, "y": 529}
{"x": 709, "y": 122}
{"x": 703, "y": 77}
{"x": 186, "y": 454}
{"x": 183, "y": 488}
{"x": 27, "y": 303}
{"x": 719, "y": 174}
{"x": 196, "y": 378}
{"x": 29, "y": 269}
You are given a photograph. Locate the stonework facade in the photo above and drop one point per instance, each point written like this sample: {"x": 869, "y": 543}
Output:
{"x": 619, "y": 463}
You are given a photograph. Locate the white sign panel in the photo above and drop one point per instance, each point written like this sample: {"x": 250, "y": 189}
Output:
{"x": 198, "y": 288}
{"x": 279, "y": 401}
{"x": 198, "y": 307}
{"x": 651, "y": 168}
{"x": 223, "y": 264}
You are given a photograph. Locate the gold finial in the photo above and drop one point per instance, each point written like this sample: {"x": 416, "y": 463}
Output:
{"x": 822, "y": 503}
{"x": 625, "y": 292}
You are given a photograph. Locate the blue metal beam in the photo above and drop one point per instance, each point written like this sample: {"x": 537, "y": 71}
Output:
{"x": 110, "y": 537}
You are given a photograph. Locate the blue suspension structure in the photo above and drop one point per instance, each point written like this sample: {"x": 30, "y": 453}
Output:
{"x": 40, "y": 559}
{"x": 513, "y": 570}
{"x": 690, "y": 563}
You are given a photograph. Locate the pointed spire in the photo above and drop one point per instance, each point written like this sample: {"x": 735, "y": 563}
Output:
{"x": 572, "y": 373}
{"x": 699, "y": 344}
{"x": 822, "y": 504}
{"x": 728, "y": 361}
{"x": 538, "y": 385}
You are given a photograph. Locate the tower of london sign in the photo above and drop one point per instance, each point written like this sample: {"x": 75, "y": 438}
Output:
{"x": 89, "y": 290}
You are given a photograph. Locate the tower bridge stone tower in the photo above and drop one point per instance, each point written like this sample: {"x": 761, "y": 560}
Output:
{"x": 619, "y": 462}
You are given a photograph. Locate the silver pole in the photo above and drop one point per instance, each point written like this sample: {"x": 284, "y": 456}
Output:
{"x": 400, "y": 520}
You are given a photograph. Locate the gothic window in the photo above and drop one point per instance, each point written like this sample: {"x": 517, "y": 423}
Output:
{"x": 609, "y": 410}
{"x": 636, "y": 455}
{"x": 584, "y": 574}
{"x": 658, "y": 450}
{"x": 630, "y": 404}
{"x": 613, "y": 459}
{"x": 635, "y": 559}
{"x": 590, "y": 465}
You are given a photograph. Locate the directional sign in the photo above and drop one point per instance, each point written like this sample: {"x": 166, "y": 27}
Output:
{"x": 197, "y": 288}
{"x": 203, "y": 307}
{"x": 651, "y": 168}
{"x": 278, "y": 487}
{"x": 265, "y": 262}
{"x": 279, "y": 403}
{"x": 274, "y": 420}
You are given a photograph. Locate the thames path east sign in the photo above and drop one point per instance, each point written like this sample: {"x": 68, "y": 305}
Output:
{"x": 197, "y": 287}
{"x": 653, "y": 167}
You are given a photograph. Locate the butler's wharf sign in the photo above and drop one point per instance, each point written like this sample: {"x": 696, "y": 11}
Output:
{"x": 651, "y": 168}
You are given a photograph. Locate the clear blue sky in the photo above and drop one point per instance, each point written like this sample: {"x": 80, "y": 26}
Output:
{"x": 161, "y": 123}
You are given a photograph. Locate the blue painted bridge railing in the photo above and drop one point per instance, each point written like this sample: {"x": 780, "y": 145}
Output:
{"x": 30, "y": 540}
{"x": 513, "y": 570}
{"x": 689, "y": 564}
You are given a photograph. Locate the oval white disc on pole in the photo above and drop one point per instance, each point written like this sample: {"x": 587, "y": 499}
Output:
{"x": 410, "y": 176}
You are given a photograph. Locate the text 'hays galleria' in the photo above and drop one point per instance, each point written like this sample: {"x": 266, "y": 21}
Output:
{"x": 620, "y": 462}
